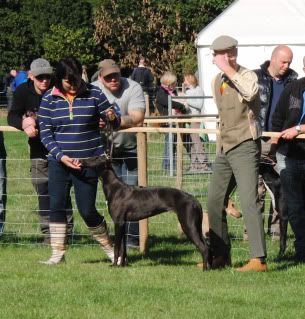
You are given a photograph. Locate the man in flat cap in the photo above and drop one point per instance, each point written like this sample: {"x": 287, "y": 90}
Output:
{"x": 129, "y": 96}
{"x": 235, "y": 92}
{"x": 22, "y": 115}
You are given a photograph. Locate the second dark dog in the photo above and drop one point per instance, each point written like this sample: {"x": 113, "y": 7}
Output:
{"x": 132, "y": 203}
{"x": 273, "y": 183}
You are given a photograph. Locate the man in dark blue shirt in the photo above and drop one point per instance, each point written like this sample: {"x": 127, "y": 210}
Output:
{"x": 273, "y": 76}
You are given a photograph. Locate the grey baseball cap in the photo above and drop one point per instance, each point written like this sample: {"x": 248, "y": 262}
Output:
{"x": 40, "y": 66}
{"x": 224, "y": 42}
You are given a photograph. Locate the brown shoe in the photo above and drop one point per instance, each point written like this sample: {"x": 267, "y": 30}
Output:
{"x": 253, "y": 264}
{"x": 232, "y": 211}
{"x": 201, "y": 265}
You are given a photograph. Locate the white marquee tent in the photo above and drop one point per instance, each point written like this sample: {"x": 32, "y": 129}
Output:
{"x": 259, "y": 26}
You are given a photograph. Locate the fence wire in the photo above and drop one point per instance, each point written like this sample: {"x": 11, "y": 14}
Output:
{"x": 22, "y": 224}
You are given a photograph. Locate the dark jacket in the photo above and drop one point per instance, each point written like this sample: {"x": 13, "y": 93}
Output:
{"x": 265, "y": 90}
{"x": 162, "y": 102}
{"x": 144, "y": 77}
{"x": 26, "y": 102}
{"x": 287, "y": 114}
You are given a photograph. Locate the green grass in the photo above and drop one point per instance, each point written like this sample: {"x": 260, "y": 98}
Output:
{"x": 164, "y": 284}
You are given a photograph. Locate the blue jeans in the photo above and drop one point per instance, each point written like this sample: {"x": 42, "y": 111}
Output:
{"x": 2, "y": 193}
{"x": 125, "y": 165}
{"x": 85, "y": 188}
{"x": 293, "y": 183}
{"x": 39, "y": 176}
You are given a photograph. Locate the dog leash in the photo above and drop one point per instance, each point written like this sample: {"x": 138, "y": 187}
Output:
{"x": 109, "y": 143}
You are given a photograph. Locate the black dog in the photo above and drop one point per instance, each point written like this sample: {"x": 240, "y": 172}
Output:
{"x": 132, "y": 203}
{"x": 273, "y": 182}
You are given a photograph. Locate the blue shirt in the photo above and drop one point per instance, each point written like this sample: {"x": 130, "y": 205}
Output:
{"x": 277, "y": 89}
{"x": 21, "y": 77}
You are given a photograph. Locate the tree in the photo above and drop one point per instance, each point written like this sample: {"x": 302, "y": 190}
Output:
{"x": 25, "y": 23}
{"x": 77, "y": 42}
{"x": 162, "y": 30}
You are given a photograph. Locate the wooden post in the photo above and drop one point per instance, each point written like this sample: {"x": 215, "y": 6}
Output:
{"x": 142, "y": 181}
{"x": 179, "y": 169}
{"x": 146, "y": 97}
{"x": 179, "y": 162}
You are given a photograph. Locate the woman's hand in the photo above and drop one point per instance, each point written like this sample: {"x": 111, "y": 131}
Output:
{"x": 71, "y": 162}
{"x": 108, "y": 116}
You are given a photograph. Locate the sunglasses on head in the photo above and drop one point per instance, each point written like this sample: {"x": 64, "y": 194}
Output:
{"x": 42, "y": 77}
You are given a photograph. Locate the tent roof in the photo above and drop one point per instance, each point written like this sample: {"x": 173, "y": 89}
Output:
{"x": 258, "y": 22}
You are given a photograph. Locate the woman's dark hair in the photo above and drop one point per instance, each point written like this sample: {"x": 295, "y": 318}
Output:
{"x": 68, "y": 68}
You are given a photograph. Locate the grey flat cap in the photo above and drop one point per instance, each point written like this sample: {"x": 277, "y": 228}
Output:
{"x": 224, "y": 42}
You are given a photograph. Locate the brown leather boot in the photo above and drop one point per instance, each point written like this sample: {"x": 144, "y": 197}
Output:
{"x": 254, "y": 264}
{"x": 232, "y": 210}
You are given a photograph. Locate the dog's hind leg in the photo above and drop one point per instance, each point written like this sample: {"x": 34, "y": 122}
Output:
{"x": 192, "y": 227}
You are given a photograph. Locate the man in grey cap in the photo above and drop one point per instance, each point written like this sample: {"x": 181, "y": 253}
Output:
{"x": 26, "y": 102}
{"x": 129, "y": 96}
{"x": 235, "y": 92}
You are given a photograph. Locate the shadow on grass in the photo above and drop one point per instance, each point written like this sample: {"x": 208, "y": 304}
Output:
{"x": 165, "y": 250}
{"x": 15, "y": 239}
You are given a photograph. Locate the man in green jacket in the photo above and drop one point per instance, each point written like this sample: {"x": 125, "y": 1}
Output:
{"x": 235, "y": 91}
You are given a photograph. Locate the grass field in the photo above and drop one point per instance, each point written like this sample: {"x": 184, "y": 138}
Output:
{"x": 163, "y": 284}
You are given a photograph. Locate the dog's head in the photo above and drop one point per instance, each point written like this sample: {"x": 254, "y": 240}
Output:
{"x": 97, "y": 162}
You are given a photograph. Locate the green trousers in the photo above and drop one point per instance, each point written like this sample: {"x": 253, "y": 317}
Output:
{"x": 242, "y": 162}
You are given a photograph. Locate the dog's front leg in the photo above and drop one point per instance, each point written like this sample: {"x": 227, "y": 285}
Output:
{"x": 119, "y": 260}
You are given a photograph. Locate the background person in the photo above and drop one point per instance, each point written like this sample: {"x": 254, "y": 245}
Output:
{"x": 69, "y": 120}
{"x": 235, "y": 91}
{"x": 85, "y": 74}
{"x": 168, "y": 88}
{"x": 3, "y": 195}
{"x": 199, "y": 159}
{"x": 142, "y": 74}
{"x": 128, "y": 95}
{"x": 21, "y": 77}
{"x": 8, "y": 85}
{"x": 289, "y": 119}
{"x": 23, "y": 116}
{"x": 273, "y": 76}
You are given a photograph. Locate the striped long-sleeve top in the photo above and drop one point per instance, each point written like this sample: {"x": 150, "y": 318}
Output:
{"x": 74, "y": 131}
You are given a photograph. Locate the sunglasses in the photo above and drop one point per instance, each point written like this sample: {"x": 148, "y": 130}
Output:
{"x": 110, "y": 77}
{"x": 42, "y": 77}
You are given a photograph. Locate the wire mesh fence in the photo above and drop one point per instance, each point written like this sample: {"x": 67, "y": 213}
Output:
{"x": 22, "y": 224}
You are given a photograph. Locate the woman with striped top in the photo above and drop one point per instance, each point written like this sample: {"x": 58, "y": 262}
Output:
{"x": 69, "y": 117}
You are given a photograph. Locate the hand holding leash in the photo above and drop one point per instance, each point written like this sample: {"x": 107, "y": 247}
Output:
{"x": 108, "y": 115}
